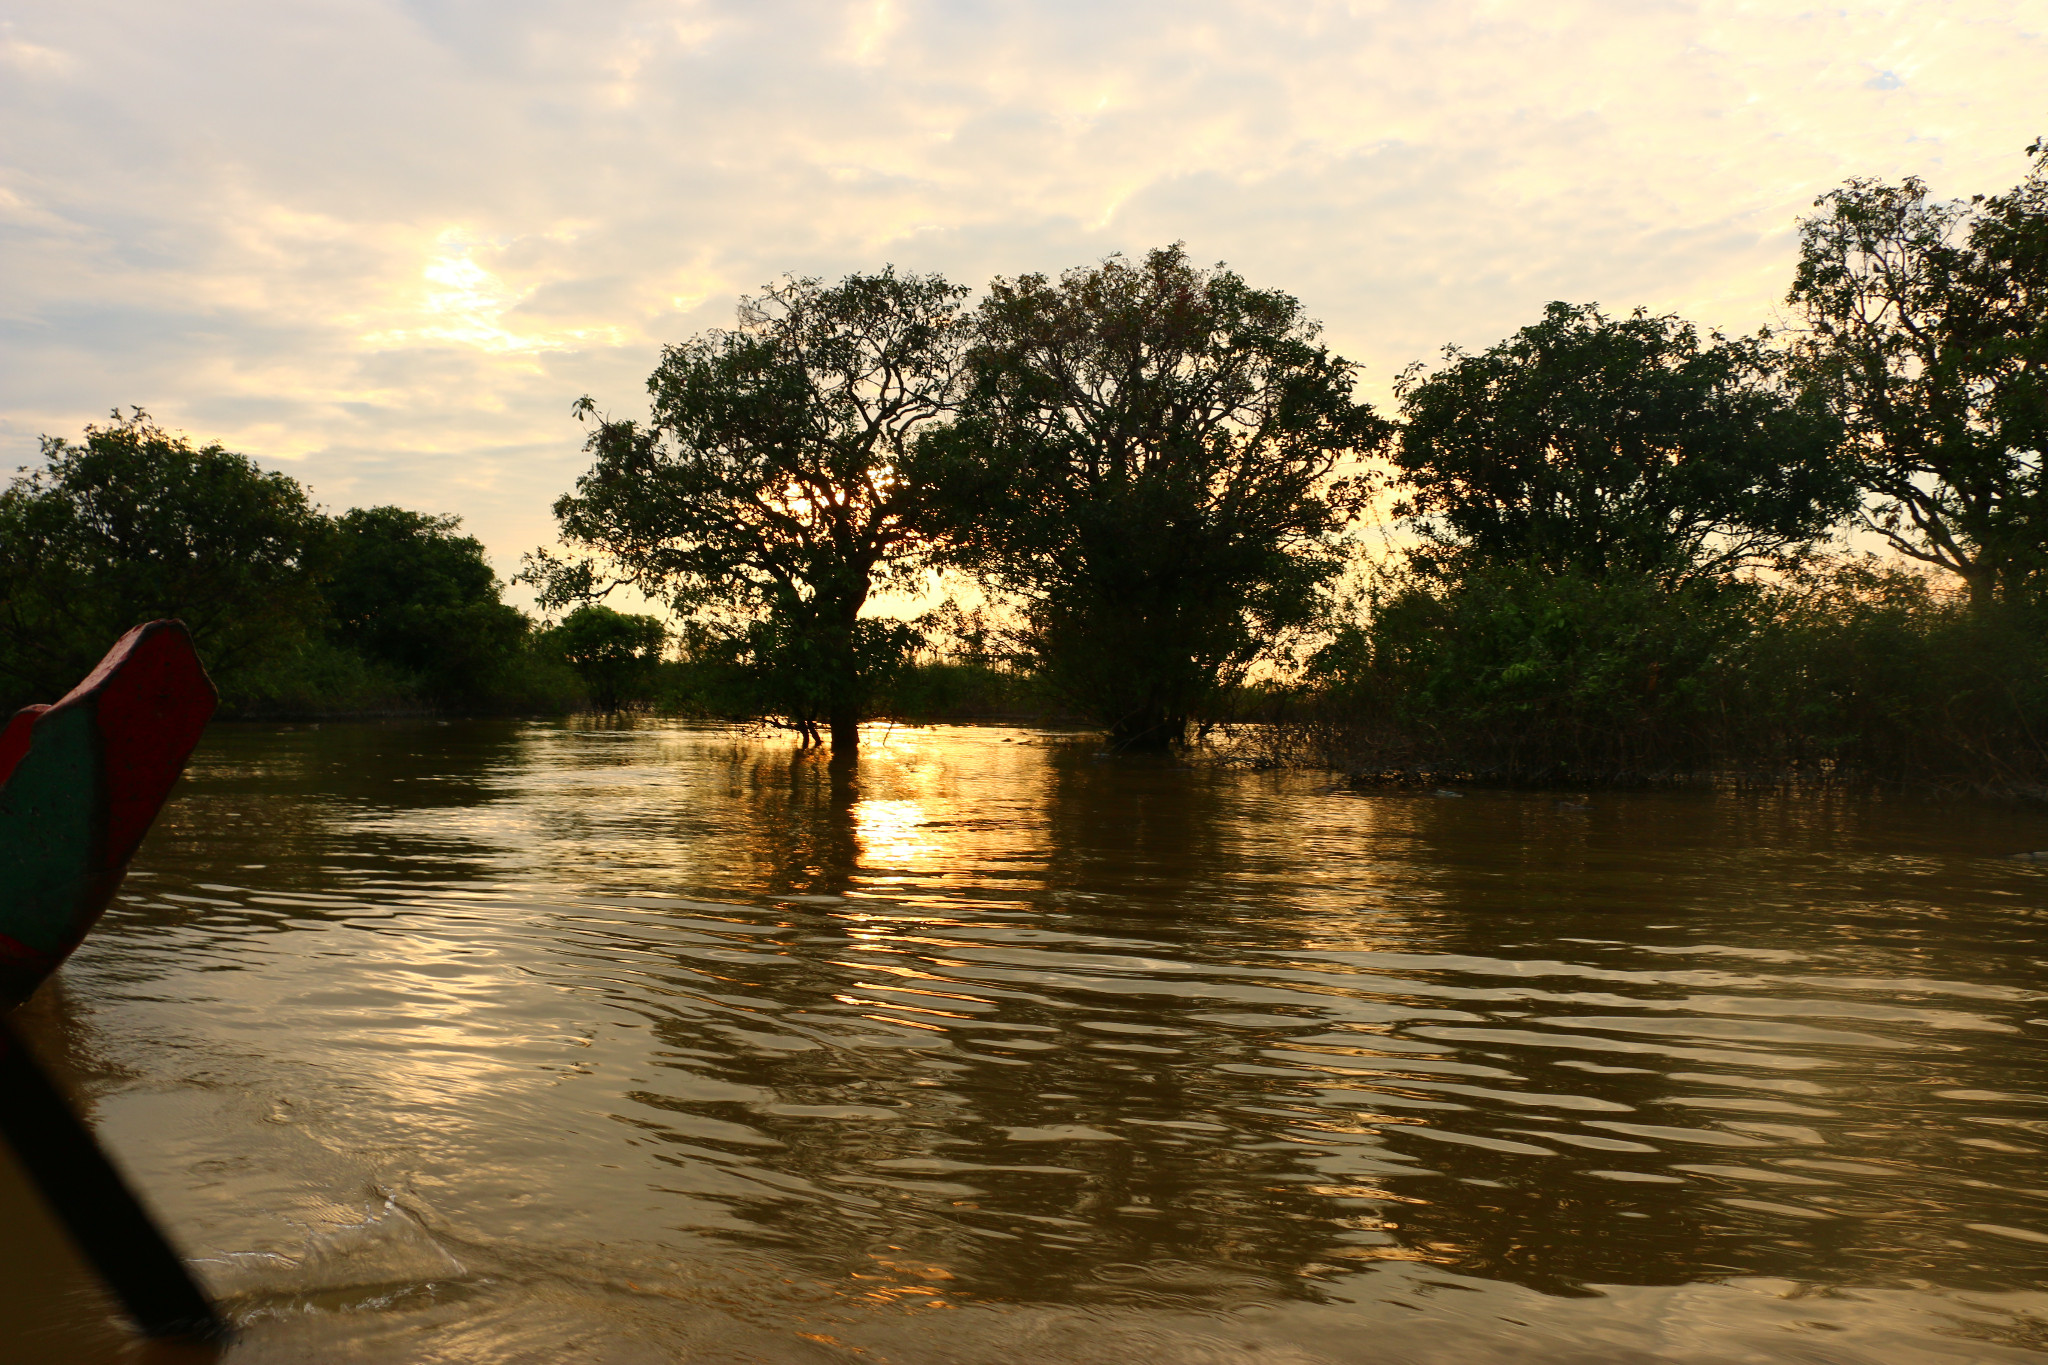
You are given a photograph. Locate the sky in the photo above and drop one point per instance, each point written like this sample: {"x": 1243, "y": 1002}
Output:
{"x": 384, "y": 246}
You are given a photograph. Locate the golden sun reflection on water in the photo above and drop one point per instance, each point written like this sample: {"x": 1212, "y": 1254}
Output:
{"x": 892, "y": 835}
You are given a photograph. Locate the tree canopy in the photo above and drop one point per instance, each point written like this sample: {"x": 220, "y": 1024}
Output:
{"x": 1599, "y": 444}
{"x": 409, "y": 591}
{"x": 1151, "y": 460}
{"x": 770, "y": 488}
{"x": 133, "y": 524}
{"x": 1927, "y": 321}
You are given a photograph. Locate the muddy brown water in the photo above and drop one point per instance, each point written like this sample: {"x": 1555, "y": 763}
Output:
{"x": 495, "y": 1042}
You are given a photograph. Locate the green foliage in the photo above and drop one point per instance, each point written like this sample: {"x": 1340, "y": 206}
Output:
{"x": 1927, "y": 322}
{"x": 1877, "y": 671}
{"x": 616, "y": 655}
{"x": 1592, "y": 445}
{"x": 1847, "y": 670}
{"x": 408, "y": 592}
{"x": 1592, "y": 491}
{"x": 1530, "y": 675}
{"x": 1147, "y": 461}
{"x": 133, "y": 524}
{"x": 380, "y": 610}
{"x": 324, "y": 677}
{"x": 770, "y": 486}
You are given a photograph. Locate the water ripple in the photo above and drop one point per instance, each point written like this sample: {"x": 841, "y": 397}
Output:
{"x": 991, "y": 1023}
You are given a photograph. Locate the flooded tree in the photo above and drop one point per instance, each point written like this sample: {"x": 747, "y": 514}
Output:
{"x": 1152, "y": 460}
{"x": 768, "y": 490}
{"x": 1586, "y": 491}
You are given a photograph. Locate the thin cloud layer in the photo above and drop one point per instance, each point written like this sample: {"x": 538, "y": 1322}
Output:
{"x": 384, "y": 245}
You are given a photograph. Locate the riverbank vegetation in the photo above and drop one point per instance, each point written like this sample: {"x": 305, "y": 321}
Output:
{"x": 1613, "y": 547}
{"x": 1842, "y": 670}
{"x": 377, "y": 611}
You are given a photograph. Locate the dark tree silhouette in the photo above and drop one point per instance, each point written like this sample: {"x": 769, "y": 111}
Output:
{"x": 1928, "y": 322}
{"x": 133, "y": 523}
{"x": 1624, "y": 445}
{"x": 409, "y": 590}
{"x": 769, "y": 487}
{"x": 1151, "y": 460}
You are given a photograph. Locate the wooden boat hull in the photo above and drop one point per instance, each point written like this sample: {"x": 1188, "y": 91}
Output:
{"x": 80, "y": 783}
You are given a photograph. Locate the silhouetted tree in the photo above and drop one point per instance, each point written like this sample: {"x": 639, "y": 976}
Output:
{"x": 770, "y": 484}
{"x": 612, "y": 652}
{"x": 1928, "y": 322}
{"x": 1615, "y": 445}
{"x": 410, "y": 592}
{"x": 1149, "y": 460}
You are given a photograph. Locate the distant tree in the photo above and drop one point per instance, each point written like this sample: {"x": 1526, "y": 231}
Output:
{"x": 1149, "y": 460}
{"x": 1928, "y": 321}
{"x": 770, "y": 485}
{"x": 1615, "y": 445}
{"x": 409, "y": 591}
{"x": 614, "y": 653}
{"x": 132, "y": 524}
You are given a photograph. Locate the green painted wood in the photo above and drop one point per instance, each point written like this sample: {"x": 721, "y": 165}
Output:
{"x": 52, "y": 813}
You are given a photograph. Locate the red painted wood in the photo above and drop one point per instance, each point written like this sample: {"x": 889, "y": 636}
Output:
{"x": 14, "y": 739}
{"x": 153, "y": 704}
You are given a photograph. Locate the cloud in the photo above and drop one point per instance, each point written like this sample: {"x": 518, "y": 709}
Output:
{"x": 385, "y": 244}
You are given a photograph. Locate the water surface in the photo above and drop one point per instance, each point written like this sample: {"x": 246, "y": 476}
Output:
{"x": 556, "y": 1042}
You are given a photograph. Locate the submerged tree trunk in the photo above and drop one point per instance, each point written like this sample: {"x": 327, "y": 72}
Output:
{"x": 1148, "y": 732}
{"x": 846, "y": 698}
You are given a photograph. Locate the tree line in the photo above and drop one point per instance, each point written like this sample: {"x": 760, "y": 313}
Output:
{"x": 1619, "y": 537}
{"x": 296, "y": 612}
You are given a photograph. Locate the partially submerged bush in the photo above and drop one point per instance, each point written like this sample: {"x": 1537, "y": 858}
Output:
{"x": 1852, "y": 669}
